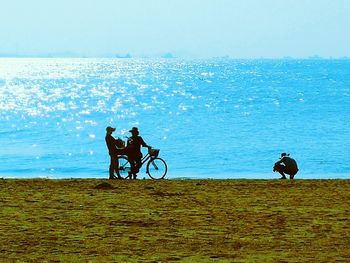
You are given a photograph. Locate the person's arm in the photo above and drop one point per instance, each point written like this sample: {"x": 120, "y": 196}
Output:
{"x": 280, "y": 161}
{"x": 143, "y": 143}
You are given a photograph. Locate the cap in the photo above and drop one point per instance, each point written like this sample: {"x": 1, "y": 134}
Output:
{"x": 110, "y": 129}
{"x": 284, "y": 154}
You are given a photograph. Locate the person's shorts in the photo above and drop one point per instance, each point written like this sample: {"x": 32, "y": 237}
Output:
{"x": 134, "y": 155}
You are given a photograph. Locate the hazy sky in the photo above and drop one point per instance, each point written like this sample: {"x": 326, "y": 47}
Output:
{"x": 198, "y": 28}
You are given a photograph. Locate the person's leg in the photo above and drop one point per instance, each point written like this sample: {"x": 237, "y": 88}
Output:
{"x": 281, "y": 169}
{"x": 131, "y": 159}
{"x": 292, "y": 174}
{"x": 112, "y": 167}
{"x": 138, "y": 165}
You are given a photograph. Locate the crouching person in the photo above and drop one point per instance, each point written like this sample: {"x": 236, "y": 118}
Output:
{"x": 286, "y": 165}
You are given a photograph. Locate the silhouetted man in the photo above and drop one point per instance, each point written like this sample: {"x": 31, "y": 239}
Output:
{"x": 134, "y": 151}
{"x": 113, "y": 152}
{"x": 286, "y": 165}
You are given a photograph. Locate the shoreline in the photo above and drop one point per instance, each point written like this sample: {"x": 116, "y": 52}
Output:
{"x": 308, "y": 178}
{"x": 183, "y": 176}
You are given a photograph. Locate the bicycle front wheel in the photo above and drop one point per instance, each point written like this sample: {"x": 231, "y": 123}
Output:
{"x": 124, "y": 167}
{"x": 157, "y": 168}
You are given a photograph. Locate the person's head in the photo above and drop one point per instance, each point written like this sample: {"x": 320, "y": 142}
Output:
{"x": 134, "y": 131}
{"x": 284, "y": 154}
{"x": 109, "y": 130}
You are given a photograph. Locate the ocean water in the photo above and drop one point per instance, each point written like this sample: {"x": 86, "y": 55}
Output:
{"x": 217, "y": 118}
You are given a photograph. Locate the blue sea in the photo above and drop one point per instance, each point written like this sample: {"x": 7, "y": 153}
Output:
{"x": 216, "y": 118}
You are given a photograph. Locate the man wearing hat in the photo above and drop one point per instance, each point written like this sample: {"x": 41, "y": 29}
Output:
{"x": 113, "y": 152}
{"x": 134, "y": 151}
{"x": 286, "y": 165}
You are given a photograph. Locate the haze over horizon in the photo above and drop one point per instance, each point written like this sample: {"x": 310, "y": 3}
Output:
{"x": 192, "y": 28}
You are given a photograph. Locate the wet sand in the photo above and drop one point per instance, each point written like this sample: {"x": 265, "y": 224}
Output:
{"x": 175, "y": 220}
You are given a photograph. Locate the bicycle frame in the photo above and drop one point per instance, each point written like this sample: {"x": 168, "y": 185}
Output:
{"x": 145, "y": 158}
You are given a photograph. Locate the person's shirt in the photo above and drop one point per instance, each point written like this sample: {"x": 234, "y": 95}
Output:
{"x": 289, "y": 162}
{"x": 110, "y": 141}
{"x": 135, "y": 143}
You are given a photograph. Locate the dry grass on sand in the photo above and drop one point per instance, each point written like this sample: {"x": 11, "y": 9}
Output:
{"x": 170, "y": 220}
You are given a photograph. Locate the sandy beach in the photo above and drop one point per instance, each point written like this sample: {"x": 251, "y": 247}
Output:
{"x": 84, "y": 220}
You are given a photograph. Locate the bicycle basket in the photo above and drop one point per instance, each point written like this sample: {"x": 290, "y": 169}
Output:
{"x": 153, "y": 152}
{"x": 119, "y": 143}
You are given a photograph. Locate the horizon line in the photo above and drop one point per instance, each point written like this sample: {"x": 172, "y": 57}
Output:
{"x": 169, "y": 56}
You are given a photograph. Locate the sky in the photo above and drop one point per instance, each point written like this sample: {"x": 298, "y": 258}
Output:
{"x": 185, "y": 28}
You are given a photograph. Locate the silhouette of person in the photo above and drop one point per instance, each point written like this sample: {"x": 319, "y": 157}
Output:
{"x": 134, "y": 152}
{"x": 286, "y": 165}
{"x": 113, "y": 152}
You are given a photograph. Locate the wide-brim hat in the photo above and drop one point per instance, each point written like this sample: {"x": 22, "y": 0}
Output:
{"x": 110, "y": 129}
{"x": 134, "y": 129}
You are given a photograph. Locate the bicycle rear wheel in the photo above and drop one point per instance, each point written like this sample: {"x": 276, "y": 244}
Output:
{"x": 124, "y": 167}
{"x": 157, "y": 168}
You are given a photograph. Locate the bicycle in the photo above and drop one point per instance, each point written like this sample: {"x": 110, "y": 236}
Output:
{"x": 156, "y": 167}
